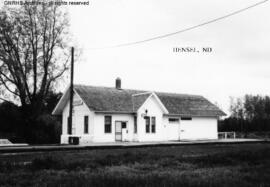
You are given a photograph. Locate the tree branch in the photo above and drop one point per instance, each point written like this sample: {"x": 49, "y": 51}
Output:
{"x": 6, "y": 100}
{"x": 5, "y": 85}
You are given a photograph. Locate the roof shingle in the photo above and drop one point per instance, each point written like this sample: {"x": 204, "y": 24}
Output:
{"x": 124, "y": 100}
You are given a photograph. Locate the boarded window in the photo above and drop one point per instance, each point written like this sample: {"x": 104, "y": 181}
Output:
{"x": 108, "y": 124}
{"x": 173, "y": 120}
{"x": 135, "y": 124}
{"x": 147, "y": 124}
{"x": 186, "y": 118}
{"x": 153, "y": 124}
{"x": 86, "y": 119}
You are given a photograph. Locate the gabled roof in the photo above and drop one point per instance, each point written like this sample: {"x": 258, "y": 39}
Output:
{"x": 139, "y": 99}
{"x": 106, "y": 99}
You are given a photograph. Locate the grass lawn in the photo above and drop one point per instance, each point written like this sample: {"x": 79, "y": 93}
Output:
{"x": 197, "y": 165}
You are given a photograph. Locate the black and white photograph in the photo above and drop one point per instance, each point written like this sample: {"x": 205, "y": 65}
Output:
{"x": 137, "y": 93}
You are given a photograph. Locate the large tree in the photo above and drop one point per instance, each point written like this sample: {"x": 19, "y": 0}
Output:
{"x": 33, "y": 52}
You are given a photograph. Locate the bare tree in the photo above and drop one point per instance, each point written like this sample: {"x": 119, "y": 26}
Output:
{"x": 237, "y": 108}
{"x": 33, "y": 52}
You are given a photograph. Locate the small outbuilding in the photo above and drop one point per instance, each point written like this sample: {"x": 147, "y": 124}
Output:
{"x": 104, "y": 114}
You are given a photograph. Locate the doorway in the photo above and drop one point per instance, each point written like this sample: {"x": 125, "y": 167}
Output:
{"x": 173, "y": 131}
{"x": 120, "y": 131}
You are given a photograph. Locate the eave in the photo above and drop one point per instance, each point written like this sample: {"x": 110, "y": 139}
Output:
{"x": 115, "y": 112}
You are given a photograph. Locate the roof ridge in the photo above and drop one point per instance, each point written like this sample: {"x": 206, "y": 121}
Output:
{"x": 143, "y": 91}
{"x": 107, "y": 87}
{"x": 180, "y": 94}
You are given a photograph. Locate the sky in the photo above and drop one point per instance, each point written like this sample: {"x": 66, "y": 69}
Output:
{"x": 239, "y": 63}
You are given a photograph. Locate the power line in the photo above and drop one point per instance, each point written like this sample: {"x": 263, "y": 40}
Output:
{"x": 186, "y": 29}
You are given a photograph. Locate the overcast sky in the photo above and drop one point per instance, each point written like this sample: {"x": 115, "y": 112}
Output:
{"x": 239, "y": 63}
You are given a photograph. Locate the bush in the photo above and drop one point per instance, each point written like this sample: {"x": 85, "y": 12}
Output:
{"x": 19, "y": 126}
{"x": 10, "y": 117}
{"x": 45, "y": 130}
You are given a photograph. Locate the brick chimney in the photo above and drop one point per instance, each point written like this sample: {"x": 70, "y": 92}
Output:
{"x": 118, "y": 83}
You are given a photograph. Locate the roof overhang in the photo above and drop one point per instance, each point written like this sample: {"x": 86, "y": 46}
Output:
{"x": 114, "y": 112}
{"x": 64, "y": 100}
{"x": 61, "y": 103}
{"x": 190, "y": 115}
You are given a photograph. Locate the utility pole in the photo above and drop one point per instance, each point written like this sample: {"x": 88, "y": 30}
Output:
{"x": 71, "y": 93}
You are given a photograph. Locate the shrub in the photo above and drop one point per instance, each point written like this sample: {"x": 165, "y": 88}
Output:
{"x": 46, "y": 129}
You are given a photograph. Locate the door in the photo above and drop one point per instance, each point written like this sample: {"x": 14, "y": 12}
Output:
{"x": 188, "y": 130}
{"x": 118, "y": 131}
{"x": 173, "y": 131}
{"x": 121, "y": 131}
{"x": 124, "y": 131}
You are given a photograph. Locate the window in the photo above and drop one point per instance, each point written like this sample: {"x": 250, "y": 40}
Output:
{"x": 85, "y": 124}
{"x": 153, "y": 124}
{"x": 147, "y": 124}
{"x": 186, "y": 118}
{"x": 124, "y": 125}
{"x": 135, "y": 124}
{"x": 108, "y": 124}
{"x": 150, "y": 124}
{"x": 69, "y": 126}
{"x": 173, "y": 120}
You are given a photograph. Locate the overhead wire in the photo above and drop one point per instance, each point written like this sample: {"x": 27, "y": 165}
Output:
{"x": 185, "y": 29}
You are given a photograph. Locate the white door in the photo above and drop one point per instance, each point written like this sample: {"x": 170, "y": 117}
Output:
{"x": 124, "y": 131}
{"x": 190, "y": 130}
{"x": 185, "y": 131}
{"x": 173, "y": 131}
{"x": 118, "y": 131}
{"x": 121, "y": 131}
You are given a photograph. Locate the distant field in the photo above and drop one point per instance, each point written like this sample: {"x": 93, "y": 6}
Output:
{"x": 197, "y": 165}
